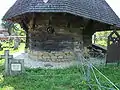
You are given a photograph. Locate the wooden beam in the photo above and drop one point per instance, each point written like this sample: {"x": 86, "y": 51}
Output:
{"x": 88, "y": 32}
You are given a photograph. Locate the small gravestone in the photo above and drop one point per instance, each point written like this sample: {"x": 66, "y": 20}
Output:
{"x": 12, "y": 66}
{"x": 16, "y": 66}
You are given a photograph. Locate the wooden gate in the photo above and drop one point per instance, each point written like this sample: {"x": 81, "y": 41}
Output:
{"x": 113, "y": 48}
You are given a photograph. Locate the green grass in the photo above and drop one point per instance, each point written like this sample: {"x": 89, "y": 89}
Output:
{"x": 112, "y": 72}
{"x": 57, "y": 79}
{"x": 42, "y": 79}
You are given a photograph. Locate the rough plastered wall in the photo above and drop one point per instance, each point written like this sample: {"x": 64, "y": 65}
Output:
{"x": 58, "y": 46}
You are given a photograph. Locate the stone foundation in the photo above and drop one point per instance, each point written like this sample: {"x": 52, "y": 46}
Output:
{"x": 64, "y": 55}
{"x": 53, "y": 56}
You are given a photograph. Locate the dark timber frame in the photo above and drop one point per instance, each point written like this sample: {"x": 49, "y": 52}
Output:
{"x": 113, "y": 48}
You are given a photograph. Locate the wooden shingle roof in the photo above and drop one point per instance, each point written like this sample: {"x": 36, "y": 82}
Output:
{"x": 92, "y": 9}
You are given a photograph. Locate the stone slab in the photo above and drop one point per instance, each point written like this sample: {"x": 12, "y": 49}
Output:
{"x": 16, "y": 66}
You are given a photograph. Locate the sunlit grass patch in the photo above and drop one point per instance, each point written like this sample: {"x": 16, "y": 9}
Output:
{"x": 7, "y": 88}
{"x": 2, "y": 62}
{"x": 1, "y": 78}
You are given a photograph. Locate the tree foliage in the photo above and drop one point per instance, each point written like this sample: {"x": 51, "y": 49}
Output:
{"x": 7, "y": 25}
{"x": 13, "y": 28}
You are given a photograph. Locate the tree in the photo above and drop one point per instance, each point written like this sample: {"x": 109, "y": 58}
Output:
{"x": 7, "y": 25}
{"x": 14, "y": 29}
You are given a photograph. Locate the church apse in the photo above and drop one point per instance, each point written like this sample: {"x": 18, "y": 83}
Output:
{"x": 54, "y": 40}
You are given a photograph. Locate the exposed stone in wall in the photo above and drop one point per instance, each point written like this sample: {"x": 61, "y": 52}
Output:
{"x": 52, "y": 56}
{"x": 53, "y": 47}
{"x": 78, "y": 46}
{"x": 61, "y": 45}
{"x": 58, "y": 47}
{"x": 57, "y": 56}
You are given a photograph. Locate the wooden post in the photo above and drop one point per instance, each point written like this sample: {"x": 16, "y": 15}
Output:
{"x": 94, "y": 38}
{"x": 88, "y": 32}
{"x": 88, "y": 76}
{"x": 6, "y": 56}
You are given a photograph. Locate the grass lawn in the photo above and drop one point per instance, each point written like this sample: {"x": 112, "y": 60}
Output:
{"x": 52, "y": 80}
{"x": 57, "y": 79}
{"x": 113, "y": 73}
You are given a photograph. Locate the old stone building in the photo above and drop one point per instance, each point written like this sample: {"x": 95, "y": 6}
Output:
{"x": 56, "y": 29}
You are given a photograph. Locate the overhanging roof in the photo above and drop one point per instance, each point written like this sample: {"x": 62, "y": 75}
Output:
{"x": 92, "y": 9}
